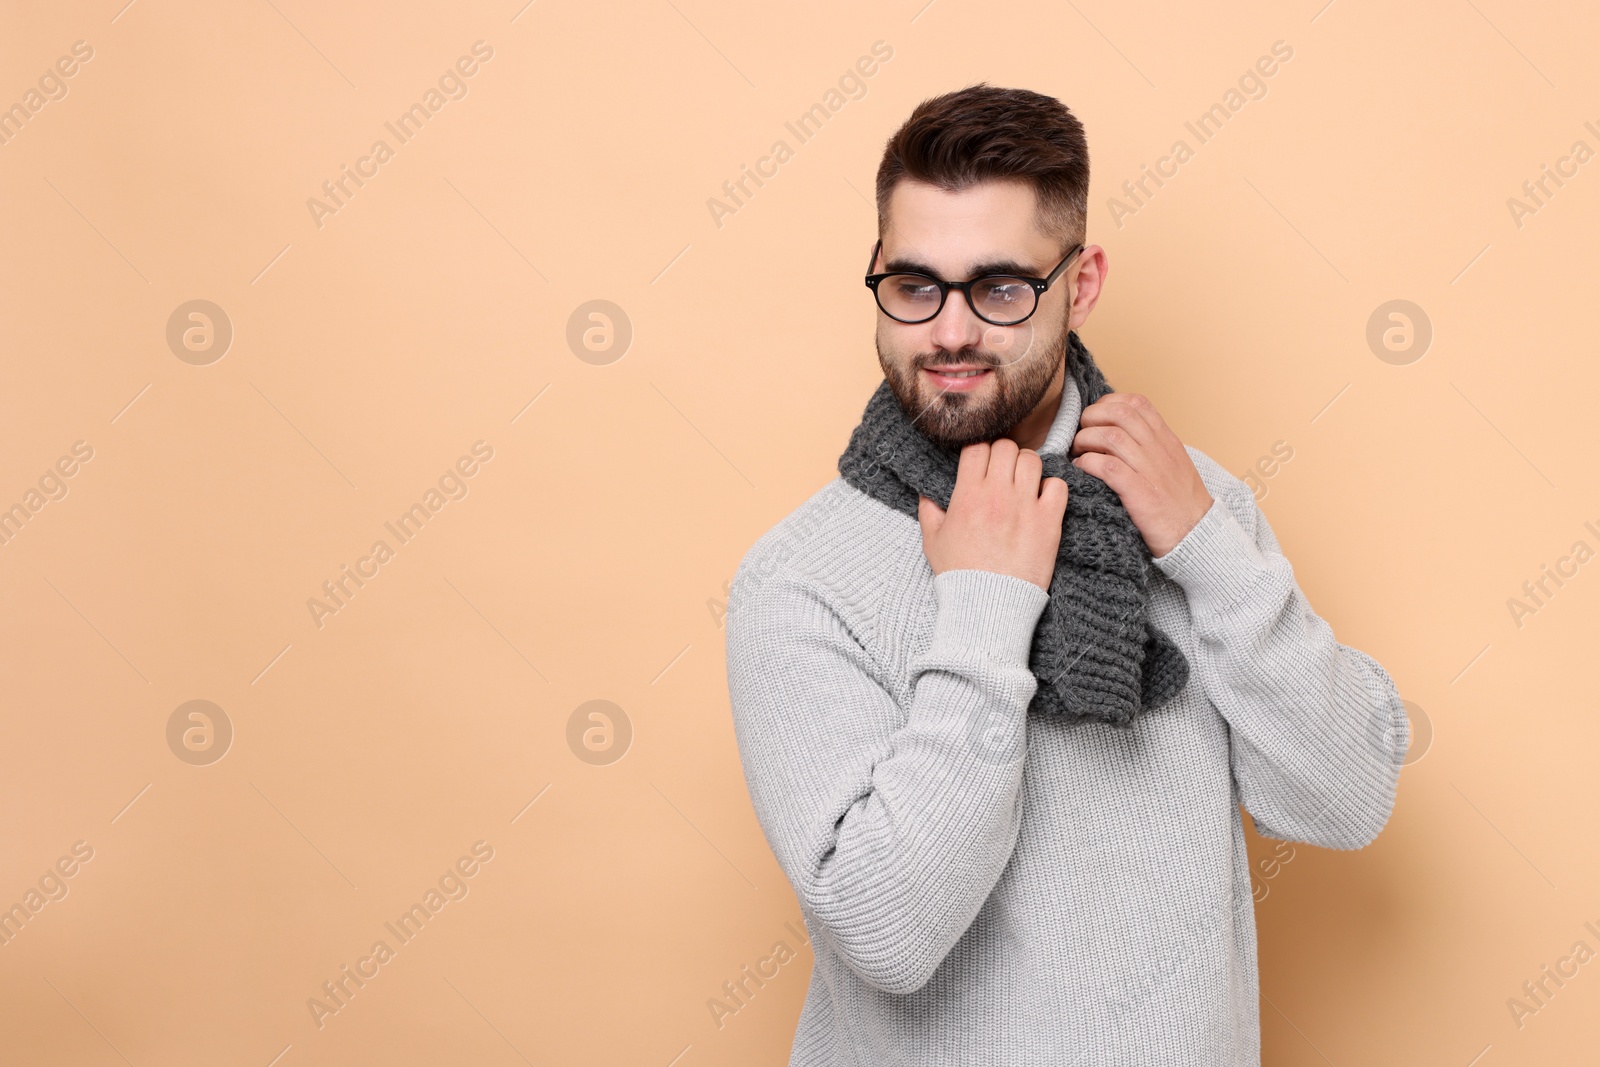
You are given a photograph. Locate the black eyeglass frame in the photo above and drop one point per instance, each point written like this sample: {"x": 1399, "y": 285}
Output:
{"x": 1039, "y": 286}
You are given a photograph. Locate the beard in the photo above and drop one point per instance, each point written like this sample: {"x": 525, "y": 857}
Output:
{"x": 954, "y": 420}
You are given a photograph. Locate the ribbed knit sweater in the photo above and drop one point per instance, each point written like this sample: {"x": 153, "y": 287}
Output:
{"x": 982, "y": 886}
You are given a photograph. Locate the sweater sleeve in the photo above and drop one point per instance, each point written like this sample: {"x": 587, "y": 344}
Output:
{"x": 892, "y": 823}
{"x": 1318, "y": 730}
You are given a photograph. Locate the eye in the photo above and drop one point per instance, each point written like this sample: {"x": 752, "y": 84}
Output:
{"x": 913, "y": 288}
{"x": 1009, "y": 291}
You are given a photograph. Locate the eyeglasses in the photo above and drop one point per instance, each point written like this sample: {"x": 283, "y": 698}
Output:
{"x": 998, "y": 299}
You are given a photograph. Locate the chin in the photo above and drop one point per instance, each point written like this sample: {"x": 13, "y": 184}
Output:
{"x": 968, "y": 432}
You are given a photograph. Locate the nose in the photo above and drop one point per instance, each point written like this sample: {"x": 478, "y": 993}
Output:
{"x": 956, "y": 327}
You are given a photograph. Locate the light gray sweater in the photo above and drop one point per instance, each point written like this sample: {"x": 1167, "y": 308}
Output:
{"x": 985, "y": 887}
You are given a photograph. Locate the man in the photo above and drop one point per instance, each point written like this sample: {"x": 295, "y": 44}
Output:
{"x": 998, "y": 741}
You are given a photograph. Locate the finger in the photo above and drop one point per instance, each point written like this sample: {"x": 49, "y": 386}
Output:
{"x": 1146, "y": 410}
{"x": 1029, "y": 467}
{"x": 1158, "y": 436}
{"x": 974, "y": 462}
{"x": 1003, "y": 460}
{"x": 1123, "y": 410}
{"x": 1110, "y": 440}
{"x": 929, "y": 515}
{"x": 1107, "y": 468}
{"x": 1053, "y": 497}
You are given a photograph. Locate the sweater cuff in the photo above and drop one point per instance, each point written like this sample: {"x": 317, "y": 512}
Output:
{"x": 1216, "y": 563}
{"x": 987, "y": 611}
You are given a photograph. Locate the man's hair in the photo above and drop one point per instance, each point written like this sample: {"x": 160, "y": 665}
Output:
{"x": 983, "y": 133}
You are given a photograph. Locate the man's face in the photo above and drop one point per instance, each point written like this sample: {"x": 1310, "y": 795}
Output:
{"x": 954, "y": 236}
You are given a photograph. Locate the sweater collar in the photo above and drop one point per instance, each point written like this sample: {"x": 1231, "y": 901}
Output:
{"x": 1065, "y": 425}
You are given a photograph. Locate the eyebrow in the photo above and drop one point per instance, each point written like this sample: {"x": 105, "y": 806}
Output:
{"x": 992, "y": 266}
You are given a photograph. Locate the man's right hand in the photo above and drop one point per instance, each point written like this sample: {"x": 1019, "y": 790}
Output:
{"x": 1000, "y": 518}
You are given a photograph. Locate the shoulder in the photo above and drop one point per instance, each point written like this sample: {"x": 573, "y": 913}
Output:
{"x": 837, "y": 546}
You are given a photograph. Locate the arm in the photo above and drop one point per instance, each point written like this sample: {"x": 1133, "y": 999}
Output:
{"x": 1318, "y": 731}
{"x": 892, "y": 825}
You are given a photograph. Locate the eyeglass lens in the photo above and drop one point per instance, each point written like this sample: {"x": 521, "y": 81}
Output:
{"x": 914, "y": 298}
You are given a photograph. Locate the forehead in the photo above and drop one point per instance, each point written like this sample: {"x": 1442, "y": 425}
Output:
{"x": 955, "y": 232}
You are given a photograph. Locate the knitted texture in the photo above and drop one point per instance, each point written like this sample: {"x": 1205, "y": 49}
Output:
{"x": 1094, "y": 652}
{"x": 985, "y": 886}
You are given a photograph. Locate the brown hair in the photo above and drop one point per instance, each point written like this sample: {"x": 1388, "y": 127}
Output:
{"x": 984, "y": 133}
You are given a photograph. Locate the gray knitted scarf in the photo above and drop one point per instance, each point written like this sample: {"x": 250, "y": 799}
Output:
{"x": 1095, "y": 653}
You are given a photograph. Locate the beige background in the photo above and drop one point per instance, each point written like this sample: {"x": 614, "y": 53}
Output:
{"x": 588, "y": 558}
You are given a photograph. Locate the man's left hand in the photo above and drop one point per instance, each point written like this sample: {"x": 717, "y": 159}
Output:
{"x": 1123, "y": 441}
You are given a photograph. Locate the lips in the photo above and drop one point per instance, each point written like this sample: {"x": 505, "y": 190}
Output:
{"x": 959, "y": 377}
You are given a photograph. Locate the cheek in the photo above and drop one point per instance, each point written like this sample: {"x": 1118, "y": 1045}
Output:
{"x": 899, "y": 344}
{"x": 1001, "y": 341}
{"x": 1011, "y": 344}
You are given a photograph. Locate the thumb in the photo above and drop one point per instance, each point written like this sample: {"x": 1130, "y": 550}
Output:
{"x": 930, "y": 515}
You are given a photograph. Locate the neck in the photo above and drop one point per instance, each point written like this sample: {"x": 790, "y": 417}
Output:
{"x": 1031, "y": 431}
